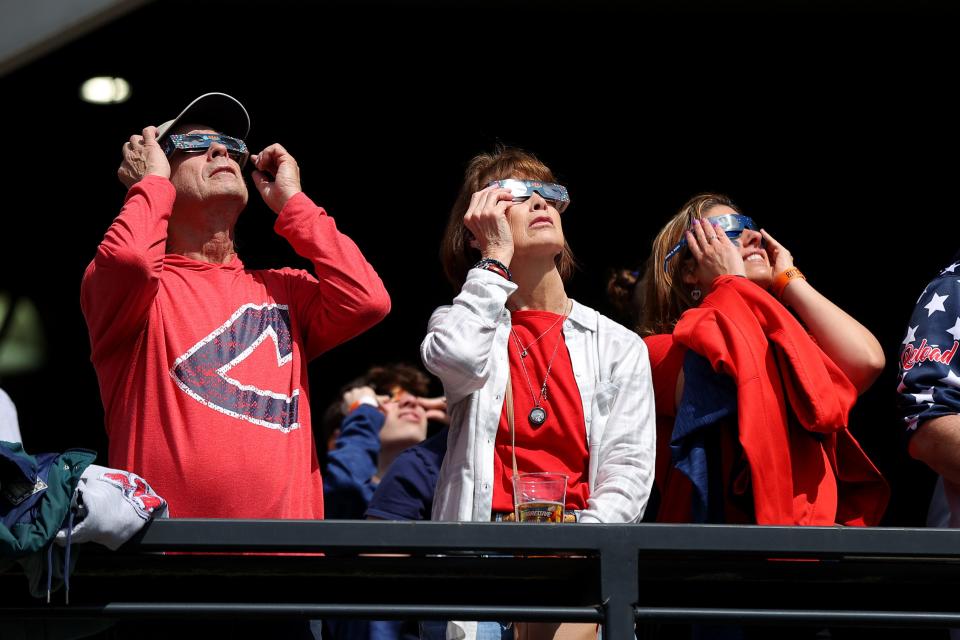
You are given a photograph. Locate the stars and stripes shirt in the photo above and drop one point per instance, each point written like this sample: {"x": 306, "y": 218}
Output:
{"x": 929, "y": 367}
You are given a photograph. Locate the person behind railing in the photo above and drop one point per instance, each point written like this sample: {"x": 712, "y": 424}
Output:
{"x": 202, "y": 362}
{"x": 929, "y": 385}
{"x": 752, "y": 402}
{"x": 514, "y": 344}
{"x": 380, "y": 414}
{"x": 406, "y": 493}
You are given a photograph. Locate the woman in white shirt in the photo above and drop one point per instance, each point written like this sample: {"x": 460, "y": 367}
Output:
{"x": 580, "y": 383}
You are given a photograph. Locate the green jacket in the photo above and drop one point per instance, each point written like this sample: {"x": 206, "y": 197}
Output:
{"x": 35, "y": 495}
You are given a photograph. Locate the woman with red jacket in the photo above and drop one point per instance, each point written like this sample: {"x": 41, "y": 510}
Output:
{"x": 752, "y": 402}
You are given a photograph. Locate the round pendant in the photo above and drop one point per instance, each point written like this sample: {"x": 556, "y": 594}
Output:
{"x": 538, "y": 415}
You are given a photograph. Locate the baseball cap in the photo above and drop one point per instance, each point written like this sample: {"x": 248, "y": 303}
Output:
{"x": 221, "y": 111}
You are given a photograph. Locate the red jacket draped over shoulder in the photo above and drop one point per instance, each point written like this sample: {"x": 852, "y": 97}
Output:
{"x": 811, "y": 474}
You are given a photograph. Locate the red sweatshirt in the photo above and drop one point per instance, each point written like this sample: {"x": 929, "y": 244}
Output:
{"x": 808, "y": 470}
{"x": 203, "y": 368}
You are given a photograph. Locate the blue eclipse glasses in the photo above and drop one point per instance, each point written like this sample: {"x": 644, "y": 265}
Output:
{"x": 556, "y": 194}
{"x": 732, "y": 224}
{"x": 200, "y": 142}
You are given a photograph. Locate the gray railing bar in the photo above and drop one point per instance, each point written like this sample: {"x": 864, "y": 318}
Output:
{"x": 438, "y": 537}
{"x": 825, "y": 617}
{"x": 306, "y": 610}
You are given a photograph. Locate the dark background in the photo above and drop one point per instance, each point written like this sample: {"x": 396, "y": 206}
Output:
{"x": 833, "y": 129}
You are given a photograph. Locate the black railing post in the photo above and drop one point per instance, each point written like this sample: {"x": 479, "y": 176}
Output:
{"x": 619, "y": 585}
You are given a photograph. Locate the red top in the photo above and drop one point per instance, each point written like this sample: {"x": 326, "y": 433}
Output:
{"x": 203, "y": 368}
{"x": 559, "y": 444}
{"x": 804, "y": 467}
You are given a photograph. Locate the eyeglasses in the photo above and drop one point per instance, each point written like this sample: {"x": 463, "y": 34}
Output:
{"x": 732, "y": 224}
{"x": 556, "y": 194}
{"x": 200, "y": 142}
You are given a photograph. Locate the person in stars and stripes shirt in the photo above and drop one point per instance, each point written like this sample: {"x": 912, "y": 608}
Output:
{"x": 929, "y": 389}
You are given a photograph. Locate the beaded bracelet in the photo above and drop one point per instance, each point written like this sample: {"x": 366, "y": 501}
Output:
{"x": 783, "y": 278}
{"x": 494, "y": 265}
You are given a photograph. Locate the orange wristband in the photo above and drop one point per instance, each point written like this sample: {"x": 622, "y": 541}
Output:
{"x": 782, "y": 279}
{"x": 365, "y": 400}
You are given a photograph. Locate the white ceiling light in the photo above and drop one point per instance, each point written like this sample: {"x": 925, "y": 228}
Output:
{"x": 105, "y": 90}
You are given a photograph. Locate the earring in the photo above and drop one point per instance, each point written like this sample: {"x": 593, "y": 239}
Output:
{"x": 696, "y": 293}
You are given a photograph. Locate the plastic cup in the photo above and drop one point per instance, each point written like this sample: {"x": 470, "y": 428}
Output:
{"x": 539, "y": 497}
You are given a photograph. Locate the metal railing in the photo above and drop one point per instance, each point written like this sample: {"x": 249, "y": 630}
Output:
{"x": 615, "y": 575}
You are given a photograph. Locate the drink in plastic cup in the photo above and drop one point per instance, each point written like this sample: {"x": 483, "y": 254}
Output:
{"x": 539, "y": 497}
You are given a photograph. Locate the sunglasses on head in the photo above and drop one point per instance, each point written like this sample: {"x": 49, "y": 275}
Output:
{"x": 200, "y": 142}
{"x": 556, "y": 194}
{"x": 732, "y": 225}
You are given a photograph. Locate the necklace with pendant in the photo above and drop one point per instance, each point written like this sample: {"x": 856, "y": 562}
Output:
{"x": 538, "y": 415}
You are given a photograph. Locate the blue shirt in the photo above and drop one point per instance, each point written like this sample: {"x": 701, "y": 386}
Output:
{"x": 406, "y": 491}
{"x": 348, "y": 481}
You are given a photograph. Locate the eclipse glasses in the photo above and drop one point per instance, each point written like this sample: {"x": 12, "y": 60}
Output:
{"x": 732, "y": 224}
{"x": 200, "y": 142}
{"x": 523, "y": 189}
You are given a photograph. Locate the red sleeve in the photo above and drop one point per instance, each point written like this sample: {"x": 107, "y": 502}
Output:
{"x": 346, "y": 297}
{"x": 666, "y": 361}
{"x": 122, "y": 281}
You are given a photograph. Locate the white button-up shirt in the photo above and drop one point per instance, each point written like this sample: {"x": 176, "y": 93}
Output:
{"x": 466, "y": 347}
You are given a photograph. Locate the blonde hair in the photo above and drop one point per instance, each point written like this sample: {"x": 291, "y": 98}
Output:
{"x": 662, "y": 295}
{"x": 456, "y": 254}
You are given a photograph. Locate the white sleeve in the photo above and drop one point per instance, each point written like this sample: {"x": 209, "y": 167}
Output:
{"x": 460, "y": 336}
{"x": 9, "y": 425}
{"x": 627, "y": 449}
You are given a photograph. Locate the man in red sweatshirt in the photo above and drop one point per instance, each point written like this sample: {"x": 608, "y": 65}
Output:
{"x": 202, "y": 362}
